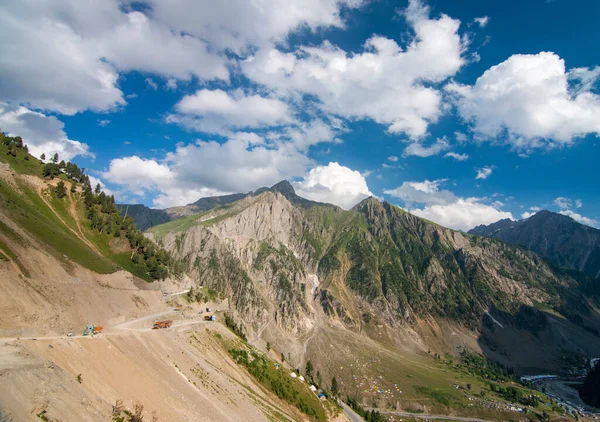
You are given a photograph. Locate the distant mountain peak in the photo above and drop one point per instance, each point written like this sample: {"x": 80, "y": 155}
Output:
{"x": 284, "y": 187}
{"x": 557, "y": 237}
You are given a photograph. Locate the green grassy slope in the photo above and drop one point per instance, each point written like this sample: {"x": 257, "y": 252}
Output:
{"x": 61, "y": 224}
{"x": 31, "y": 213}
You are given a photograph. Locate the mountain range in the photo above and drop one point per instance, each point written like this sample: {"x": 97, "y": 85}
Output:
{"x": 561, "y": 240}
{"x": 372, "y": 303}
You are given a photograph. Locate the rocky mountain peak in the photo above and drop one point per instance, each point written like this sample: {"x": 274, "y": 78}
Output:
{"x": 284, "y": 187}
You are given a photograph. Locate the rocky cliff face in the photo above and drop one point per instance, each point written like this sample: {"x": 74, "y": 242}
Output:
{"x": 559, "y": 238}
{"x": 257, "y": 255}
{"x": 286, "y": 262}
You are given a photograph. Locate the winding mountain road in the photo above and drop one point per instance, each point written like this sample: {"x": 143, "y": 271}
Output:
{"x": 119, "y": 329}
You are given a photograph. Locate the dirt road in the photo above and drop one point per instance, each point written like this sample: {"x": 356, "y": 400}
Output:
{"x": 131, "y": 325}
{"x": 426, "y": 416}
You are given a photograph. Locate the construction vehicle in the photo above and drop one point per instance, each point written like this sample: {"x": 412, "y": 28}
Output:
{"x": 92, "y": 329}
{"x": 210, "y": 317}
{"x": 162, "y": 324}
{"x": 178, "y": 308}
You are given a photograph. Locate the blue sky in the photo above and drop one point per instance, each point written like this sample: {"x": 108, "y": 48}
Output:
{"x": 461, "y": 113}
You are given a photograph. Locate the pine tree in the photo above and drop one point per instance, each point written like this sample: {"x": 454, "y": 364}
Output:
{"x": 55, "y": 158}
{"x": 334, "y": 387}
{"x": 60, "y": 190}
{"x": 43, "y": 157}
{"x": 309, "y": 370}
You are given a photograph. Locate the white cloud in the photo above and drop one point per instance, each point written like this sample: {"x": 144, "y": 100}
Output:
{"x": 334, "y": 184}
{"x": 426, "y": 192}
{"x": 238, "y": 24}
{"x": 150, "y": 82}
{"x": 456, "y": 156}
{"x": 531, "y": 101}
{"x": 217, "y": 111}
{"x": 484, "y": 172}
{"x": 95, "y": 181}
{"x": 460, "y": 137}
{"x": 563, "y": 203}
{"x": 417, "y": 149}
{"x": 171, "y": 84}
{"x": 578, "y": 203}
{"x": 444, "y": 207}
{"x": 42, "y": 134}
{"x": 393, "y": 158}
{"x": 385, "y": 82}
{"x": 482, "y": 21}
{"x": 464, "y": 214}
{"x": 65, "y": 56}
{"x": 207, "y": 168}
{"x": 527, "y": 214}
{"x": 103, "y": 122}
{"x": 580, "y": 218}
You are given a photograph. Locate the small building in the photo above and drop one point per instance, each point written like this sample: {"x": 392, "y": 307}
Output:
{"x": 312, "y": 388}
{"x": 293, "y": 375}
{"x": 301, "y": 378}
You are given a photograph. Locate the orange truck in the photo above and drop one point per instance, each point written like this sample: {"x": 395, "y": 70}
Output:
{"x": 98, "y": 329}
{"x": 162, "y": 324}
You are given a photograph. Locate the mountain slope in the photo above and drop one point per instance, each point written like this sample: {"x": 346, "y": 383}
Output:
{"x": 556, "y": 237}
{"x": 62, "y": 260}
{"x": 293, "y": 270}
{"x": 144, "y": 217}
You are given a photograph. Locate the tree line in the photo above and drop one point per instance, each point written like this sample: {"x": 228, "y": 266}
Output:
{"x": 149, "y": 260}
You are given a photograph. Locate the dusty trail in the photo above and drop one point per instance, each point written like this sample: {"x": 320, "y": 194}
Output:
{"x": 40, "y": 191}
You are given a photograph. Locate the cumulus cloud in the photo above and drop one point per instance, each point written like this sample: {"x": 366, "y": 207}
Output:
{"x": 419, "y": 150}
{"x": 393, "y": 158}
{"x": 456, "y": 156}
{"x": 206, "y": 168}
{"x": 578, "y": 203}
{"x": 334, "y": 184}
{"x": 237, "y": 25}
{"x": 65, "y": 56}
{"x": 531, "y": 101}
{"x": 484, "y": 172}
{"x": 217, "y": 111}
{"x": 42, "y": 134}
{"x": 384, "y": 82}
{"x": 527, "y": 214}
{"x": 444, "y": 207}
{"x": 580, "y": 218}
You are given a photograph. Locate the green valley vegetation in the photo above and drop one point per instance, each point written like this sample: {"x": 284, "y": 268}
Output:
{"x": 277, "y": 380}
{"x": 145, "y": 259}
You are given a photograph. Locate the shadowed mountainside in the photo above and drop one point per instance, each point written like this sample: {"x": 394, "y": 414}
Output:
{"x": 556, "y": 237}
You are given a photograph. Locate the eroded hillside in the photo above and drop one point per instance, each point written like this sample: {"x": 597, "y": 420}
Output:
{"x": 62, "y": 268}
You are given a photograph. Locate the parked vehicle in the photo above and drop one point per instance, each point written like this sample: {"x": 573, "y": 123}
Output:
{"x": 70, "y": 333}
{"x": 162, "y": 324}
{"x": 210, "y": 317}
